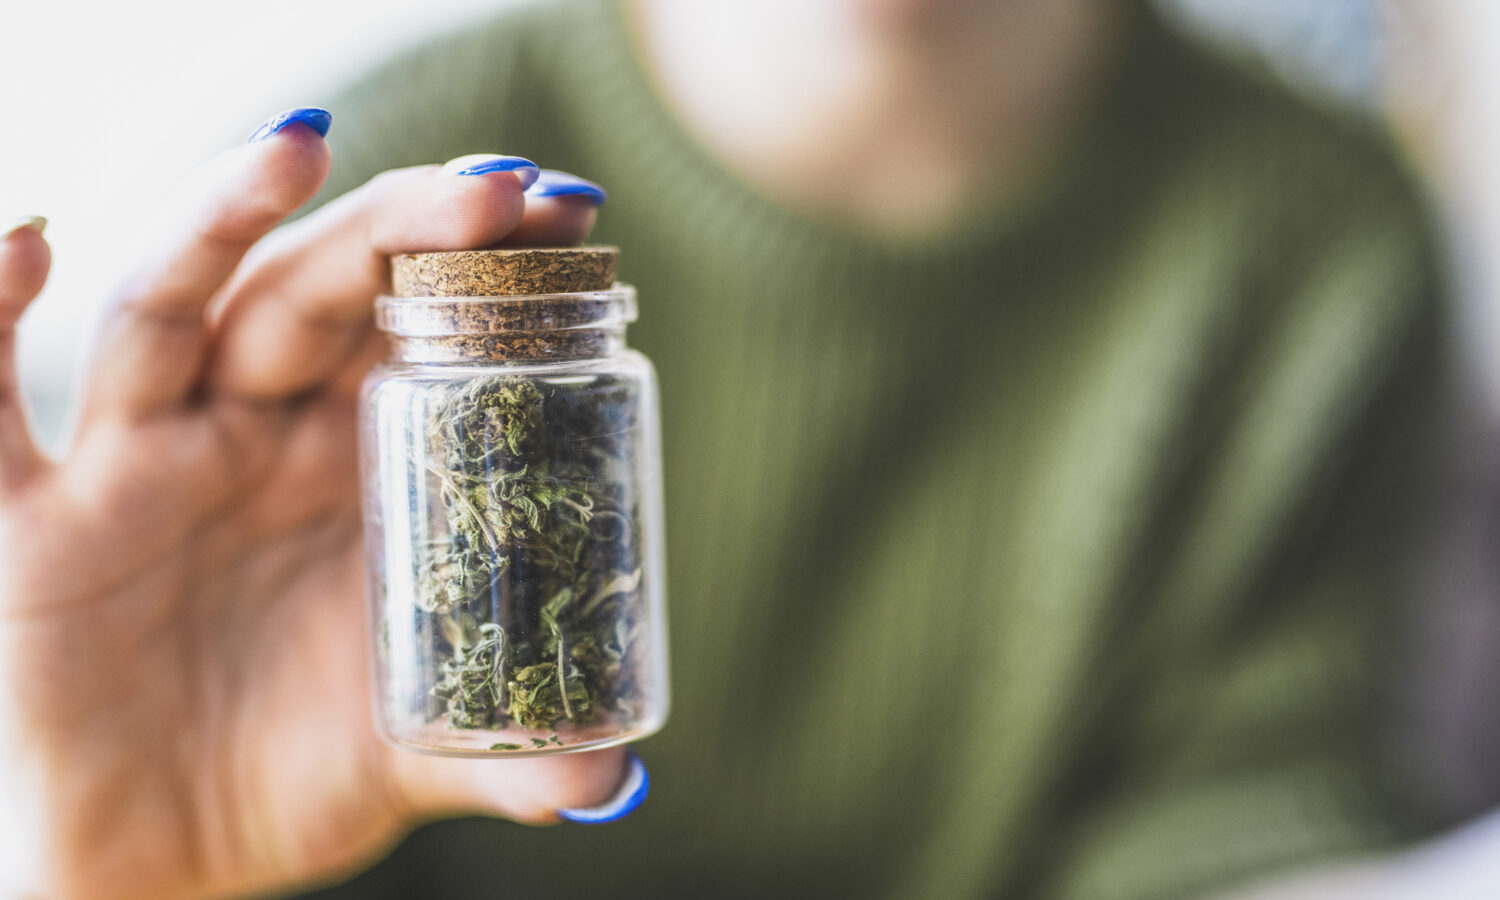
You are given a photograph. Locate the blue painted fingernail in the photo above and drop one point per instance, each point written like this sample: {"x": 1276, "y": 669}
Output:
{"x": 487, "y": 163}
{"x": 314, "y": 117}
{"x": 631, "y": 793}
{"x": 553, "y": 183}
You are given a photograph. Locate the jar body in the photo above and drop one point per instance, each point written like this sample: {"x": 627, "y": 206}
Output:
{"x": 514, "y": 542}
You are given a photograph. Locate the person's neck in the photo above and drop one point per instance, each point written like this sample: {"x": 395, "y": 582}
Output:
{"x": 899, "y": 128}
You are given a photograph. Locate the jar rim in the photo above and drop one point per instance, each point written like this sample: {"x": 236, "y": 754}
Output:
{"x": 418, "y": 317}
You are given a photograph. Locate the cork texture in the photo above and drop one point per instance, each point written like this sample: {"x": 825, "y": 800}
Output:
{"x": 499, "y": 273}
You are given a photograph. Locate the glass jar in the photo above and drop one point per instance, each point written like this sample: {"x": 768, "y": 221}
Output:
{"x": 511, "y": 463}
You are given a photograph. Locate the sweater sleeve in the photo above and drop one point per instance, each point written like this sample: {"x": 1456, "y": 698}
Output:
{"x": 1259, "y": 731}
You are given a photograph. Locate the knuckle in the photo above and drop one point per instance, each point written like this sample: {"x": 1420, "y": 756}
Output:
{"x": 383, "y": 180}
{"x": 167, "y": 308}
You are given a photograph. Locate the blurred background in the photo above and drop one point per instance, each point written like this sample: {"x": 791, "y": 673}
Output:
{"x": 135, "y": 94}
{"x": 206, "y": 74}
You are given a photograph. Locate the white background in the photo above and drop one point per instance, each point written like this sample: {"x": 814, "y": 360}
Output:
{"x": 104, "y": 104}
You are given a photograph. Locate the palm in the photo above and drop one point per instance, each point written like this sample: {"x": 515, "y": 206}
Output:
{"x": 181, "y": 594}
{"x": 238, "y": 656}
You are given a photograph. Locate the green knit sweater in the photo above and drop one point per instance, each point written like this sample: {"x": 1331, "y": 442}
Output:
{"x": 1058, "y": 558}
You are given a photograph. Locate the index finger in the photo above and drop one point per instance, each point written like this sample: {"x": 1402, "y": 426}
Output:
{"x": 302, "y": 305}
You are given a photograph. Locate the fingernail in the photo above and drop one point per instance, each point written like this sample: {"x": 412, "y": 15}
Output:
{"x": 552, "y": 183}
{"x": 630, "y": 794}
{"x": 37, "y": 223}
{"x": 314, "y": 117}
{"x": 485, "y": 163}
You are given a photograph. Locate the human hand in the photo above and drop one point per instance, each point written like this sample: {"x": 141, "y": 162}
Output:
{"x": 184, "y": 685}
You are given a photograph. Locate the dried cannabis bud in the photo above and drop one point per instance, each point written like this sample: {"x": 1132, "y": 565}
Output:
{"x": 533, "y": 584}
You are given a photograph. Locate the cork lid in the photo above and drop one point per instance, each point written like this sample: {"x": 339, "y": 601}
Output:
{"x": 523, "y": 303}
{"x": 501, "y": 273}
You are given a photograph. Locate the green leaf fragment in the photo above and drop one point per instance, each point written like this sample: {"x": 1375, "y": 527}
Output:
{"x": 534, "y": 588}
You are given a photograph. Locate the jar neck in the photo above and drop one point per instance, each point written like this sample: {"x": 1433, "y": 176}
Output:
{"x": 510, "y": 329}
{"x": 508, "y": 347}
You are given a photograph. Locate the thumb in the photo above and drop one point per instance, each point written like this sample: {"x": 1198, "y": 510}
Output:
{"x": 597, "y": 786}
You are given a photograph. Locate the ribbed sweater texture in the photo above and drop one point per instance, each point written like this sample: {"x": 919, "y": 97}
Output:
{"x": 1060, "y": 556}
